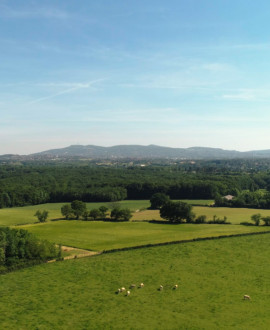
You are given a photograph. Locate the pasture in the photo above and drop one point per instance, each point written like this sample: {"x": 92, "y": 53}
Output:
{"x": 25, "y": 215}
{"x": 212, "y": 276}
{"x": 100, "y": 235}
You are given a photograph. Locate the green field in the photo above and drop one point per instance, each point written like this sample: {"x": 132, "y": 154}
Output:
{"x": 99, "y": 235}
{"x": 212, "y": 276}
{"x": 234, "y": 215}
{"x": 25, "y": 215}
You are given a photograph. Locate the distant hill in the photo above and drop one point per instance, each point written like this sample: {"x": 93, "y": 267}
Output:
{"x": 139, "y": 152}
{"x": 150, "y": 151}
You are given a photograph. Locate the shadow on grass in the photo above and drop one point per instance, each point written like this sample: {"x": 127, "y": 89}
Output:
{"x": 164, "y": 222}
{"x": 245, "y": 223}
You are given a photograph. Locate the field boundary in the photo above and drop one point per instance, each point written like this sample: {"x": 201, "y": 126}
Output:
{"x": 181, "y": 242}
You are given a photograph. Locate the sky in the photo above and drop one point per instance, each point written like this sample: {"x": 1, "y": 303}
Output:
{"x": 173, "y": 73}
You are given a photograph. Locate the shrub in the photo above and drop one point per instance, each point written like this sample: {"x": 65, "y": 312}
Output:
{"x": 42, "y": 216}
{"x": 201, "y": 219}
{"x": 256, "y": 218}
{"x": 118, "y": 214}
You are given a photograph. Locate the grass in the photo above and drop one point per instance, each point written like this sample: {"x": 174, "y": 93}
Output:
{"x": 25, "y": 215}
{"x": 99, "y": 235}
{"x": 212, "y": 276}
{"x": 234, "y": 215}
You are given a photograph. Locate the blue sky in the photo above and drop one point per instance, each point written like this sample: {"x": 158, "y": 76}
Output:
{"x": 172, "y": 73}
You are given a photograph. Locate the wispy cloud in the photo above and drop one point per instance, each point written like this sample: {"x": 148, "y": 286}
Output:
{"x": 248, "y": 94}
{"x": 74, "y": 88}
{"x": 32, "y": 12}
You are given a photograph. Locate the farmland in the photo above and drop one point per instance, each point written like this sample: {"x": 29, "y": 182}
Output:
{"x": 25, "y": 215}
{"x": 99, "y": 235}
{"x": 213, "y": 276}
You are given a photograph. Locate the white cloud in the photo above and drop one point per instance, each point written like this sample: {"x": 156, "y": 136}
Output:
{"x": 239, "y": 97}
{"x": 32, "y": 12}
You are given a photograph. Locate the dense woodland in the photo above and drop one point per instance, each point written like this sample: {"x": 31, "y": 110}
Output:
{"x": 28, "y": 184}
{"x": 19, "y": 248}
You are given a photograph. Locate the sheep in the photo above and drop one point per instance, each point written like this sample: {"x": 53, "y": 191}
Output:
{"x": 246, "y": 297}
{"x": 123, "y": 289}
{"x": 132, "y": 286}
{"x": 175, "y": 287}
{"x": 128, "y": 293}
{"x": 141, "y": 285}
{"x": 119, "y": 290}
{"x": 160, "y": 287}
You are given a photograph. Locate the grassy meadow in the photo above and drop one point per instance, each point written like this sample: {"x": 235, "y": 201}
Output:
{"x": 212, "y": 276}
{"x": 25, "y": 215}
{"x": 100, "y": 235}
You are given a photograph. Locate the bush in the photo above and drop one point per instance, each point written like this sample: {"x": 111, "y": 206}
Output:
{"x": 158, "y": 200}
{"x": 42, "y": 216}
{"x": 118, "y": 214}
{"x": 177, "y": 212}
{"x": 256, "y": 218}
{"x": 201, "y": 219}
{"x": 219, "y": 221}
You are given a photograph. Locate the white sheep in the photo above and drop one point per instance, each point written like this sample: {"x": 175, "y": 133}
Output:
{"x": 246, "y": 297}
{"x": 141, "y": 285}
{"x": 128, "y": 293}
{"x": 160, "y": 287}
{"x": 123, "y": 289}
{"x": 175, "y": 287}
{"x": 119, "y": 290}
{"x": 132, "y": 286}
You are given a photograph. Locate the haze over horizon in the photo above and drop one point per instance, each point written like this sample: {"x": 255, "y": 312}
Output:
{"x": 177, "y": 74}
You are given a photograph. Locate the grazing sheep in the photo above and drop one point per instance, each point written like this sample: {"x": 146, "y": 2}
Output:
{"x": 132, "y": 286}
{"x": 175, "y": 287}
{"x": 246, "y": 297}
{"x": 123, "y": 289}
{"x": 160, "y": 287}
{"x": 119, "y": 290}
{"x": 141, "y": 285}
{"x": 128, "y": 293}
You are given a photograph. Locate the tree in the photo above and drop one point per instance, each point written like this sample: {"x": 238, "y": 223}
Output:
{"x": 158, "y": 200}
{"x": 95, "y": 213}
{"x": 256, "y": 218}
{"x": 266, "y": 221}
{"x": 85, "y": 215}
{"x": 103, "y": 210}
{"x": 66, "y": 211}
{"x": 126, "y": 214}
{"x": 176, "y": 211}
{"x": 78, "y": 208}
{"x": 118, "y": 214}
{"x": 201, "y": 219}
{"x": 42, "y": 216}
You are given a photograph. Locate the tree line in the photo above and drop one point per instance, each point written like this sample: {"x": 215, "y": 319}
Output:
{"x": 31, "y": 185}
{"x": 77, "y": 209}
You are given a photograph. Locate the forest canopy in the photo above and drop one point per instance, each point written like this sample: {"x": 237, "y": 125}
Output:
{"x": 36, "y": 184}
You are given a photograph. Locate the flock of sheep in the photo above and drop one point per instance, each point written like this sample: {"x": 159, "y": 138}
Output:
{"x": 161, "y": 287}
{"x": 141, "y": 285}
